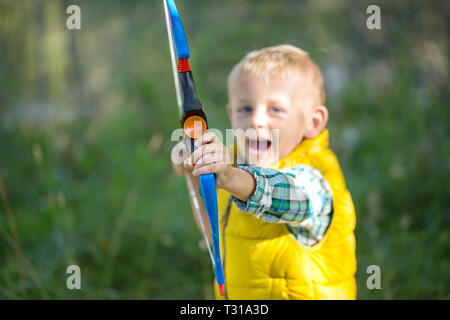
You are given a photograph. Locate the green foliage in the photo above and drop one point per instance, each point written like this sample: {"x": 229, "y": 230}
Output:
{"x": 85, "y": 174}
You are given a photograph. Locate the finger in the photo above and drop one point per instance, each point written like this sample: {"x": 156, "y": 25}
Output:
{"x": 210, "y": 158}
{"x": 181, "y": 149}
{"x": 212, "y": 168}
{"x": 204, "y": 150}
{"x": 177, "y": 154}
{"x": 207, "y": 138}
{"x": 188, "y": 164}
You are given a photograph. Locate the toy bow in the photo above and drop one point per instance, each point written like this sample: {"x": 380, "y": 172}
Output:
{"x": 194, "y": 123}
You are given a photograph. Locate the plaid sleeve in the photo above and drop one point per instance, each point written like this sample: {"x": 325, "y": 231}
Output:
{"x": 290, "y": 195}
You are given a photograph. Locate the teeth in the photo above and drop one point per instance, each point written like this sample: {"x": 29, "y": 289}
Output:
{"x": 260, "y": 141}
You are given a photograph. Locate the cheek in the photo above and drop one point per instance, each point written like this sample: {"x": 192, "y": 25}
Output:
{"x": 239, "y": 122}
{"x": 236, "y": 123}
{"x": 291, "y": 133}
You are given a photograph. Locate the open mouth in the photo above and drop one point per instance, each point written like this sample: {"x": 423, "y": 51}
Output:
{"x": 259, "y": 147}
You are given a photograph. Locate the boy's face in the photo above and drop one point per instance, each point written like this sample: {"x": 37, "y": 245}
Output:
{"x": 263, "y": 107}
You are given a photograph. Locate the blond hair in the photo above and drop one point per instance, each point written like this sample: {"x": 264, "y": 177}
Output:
{"x": 286, "y": 60}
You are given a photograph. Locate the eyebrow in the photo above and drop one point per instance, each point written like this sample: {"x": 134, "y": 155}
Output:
{"x": 276, "y": 102}
{"x": 244, "y": 101}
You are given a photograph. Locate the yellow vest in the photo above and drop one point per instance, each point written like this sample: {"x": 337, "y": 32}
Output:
{"x": 265, "y": 261}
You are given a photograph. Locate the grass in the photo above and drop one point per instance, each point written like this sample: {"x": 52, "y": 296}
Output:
{"x": 85, "y": 174}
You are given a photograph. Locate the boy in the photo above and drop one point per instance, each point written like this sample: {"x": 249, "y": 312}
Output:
{"x": 286, "y": 217}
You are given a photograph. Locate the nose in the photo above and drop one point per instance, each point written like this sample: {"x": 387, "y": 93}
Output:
{"x": 260, "y": 118}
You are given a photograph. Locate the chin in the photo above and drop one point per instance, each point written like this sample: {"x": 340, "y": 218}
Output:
{"x": 265, "y": 160}
{"x": 265, "y": 164}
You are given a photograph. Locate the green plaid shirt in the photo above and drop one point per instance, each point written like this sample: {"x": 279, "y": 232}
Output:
{"x": 298, "y": 196}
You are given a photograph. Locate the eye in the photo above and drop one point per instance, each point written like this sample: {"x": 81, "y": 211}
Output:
{"x": 245, "y": 109}
{"x": 275, "y": 110}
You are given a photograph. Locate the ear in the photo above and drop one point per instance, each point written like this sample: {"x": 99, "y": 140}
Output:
{"x": 317, "y": 121}
{"x": 229, "y": 111}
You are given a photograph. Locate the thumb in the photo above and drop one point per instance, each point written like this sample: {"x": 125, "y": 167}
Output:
{"x": 179, "y": 153}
